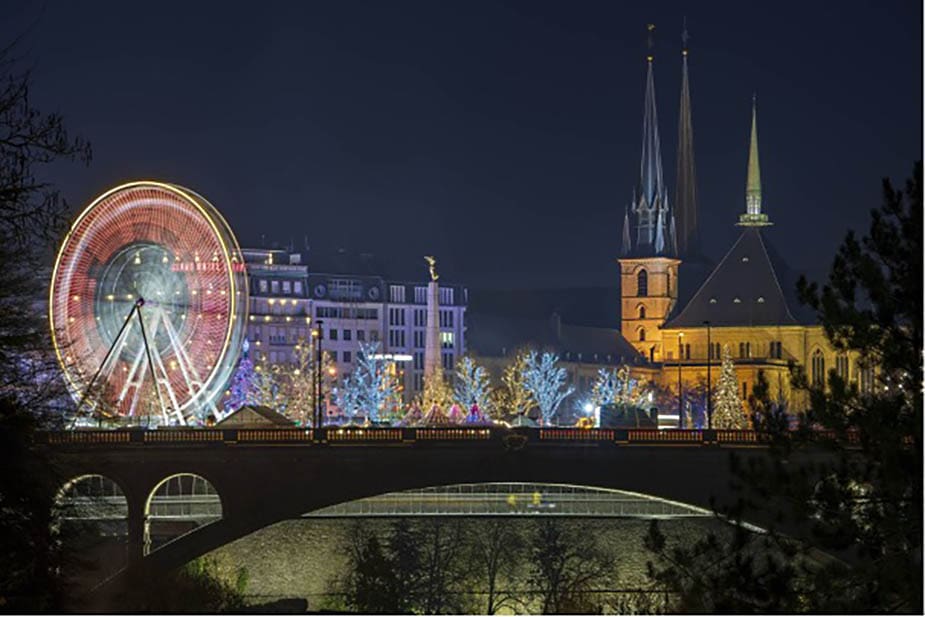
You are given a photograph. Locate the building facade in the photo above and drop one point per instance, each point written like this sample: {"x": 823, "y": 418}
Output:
{"x": 288, "y": 301}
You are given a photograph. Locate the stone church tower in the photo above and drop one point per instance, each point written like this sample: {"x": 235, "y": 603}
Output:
{"x": 649, "y": 261}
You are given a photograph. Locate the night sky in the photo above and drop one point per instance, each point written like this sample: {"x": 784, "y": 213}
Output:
{"x": 502, "y": 137}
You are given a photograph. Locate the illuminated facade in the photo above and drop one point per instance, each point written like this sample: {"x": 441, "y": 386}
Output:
{"x": 287, "y": 300}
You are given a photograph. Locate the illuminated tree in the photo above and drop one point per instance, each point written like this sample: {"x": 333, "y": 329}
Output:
{"x": 472, "y": 384}
{"x": 606, "y": 387}
{"x": 546, "y": 382}
{"x": 244, "y": 389}
{"x": 513, "y": 398}
{"x": 299, "y": 381}
{"x": 437, "y": 391}
{"x": 727, "y": 406}
{"x": 370, "y": 386}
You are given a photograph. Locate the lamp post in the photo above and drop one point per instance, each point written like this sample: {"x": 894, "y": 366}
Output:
{"x": 318, "y": 413}
{"x": 709, "y": 393}
{"x": 680, "y": 391}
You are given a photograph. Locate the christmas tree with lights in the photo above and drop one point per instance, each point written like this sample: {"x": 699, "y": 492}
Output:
{"x": 727, "y": 406}
{"x": 245, "y": 383}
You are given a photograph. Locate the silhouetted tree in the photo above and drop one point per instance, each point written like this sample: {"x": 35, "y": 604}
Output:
{"x": 564, "y": 566}
{"x": 31, "y": 214}
{"x": 494, "y": 560}
{"x": 865, "y": 503}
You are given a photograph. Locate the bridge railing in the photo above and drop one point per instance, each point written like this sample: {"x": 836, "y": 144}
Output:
{"x": 345, "y": 436}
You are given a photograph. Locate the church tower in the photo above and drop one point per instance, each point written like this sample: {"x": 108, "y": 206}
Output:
{"x": 648, "y": 264}
{"x": 753, "y": 216}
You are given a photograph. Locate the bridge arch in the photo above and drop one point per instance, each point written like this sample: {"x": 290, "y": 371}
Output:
{"x": 177, "y": 505}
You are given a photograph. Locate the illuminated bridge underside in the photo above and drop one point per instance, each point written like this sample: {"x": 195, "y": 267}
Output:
{"x": 512, "y": 499}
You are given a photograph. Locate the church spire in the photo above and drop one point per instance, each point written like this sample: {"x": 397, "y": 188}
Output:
{"x": 753, "y": 216}
{"x": 688, "y": 238}
{"x": 650, "y": 210}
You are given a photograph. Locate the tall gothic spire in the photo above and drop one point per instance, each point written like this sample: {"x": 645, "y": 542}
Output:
{"x": 650, "y": 210}
{"x": 686, "y": 195}
{"x": 753, "y": 216}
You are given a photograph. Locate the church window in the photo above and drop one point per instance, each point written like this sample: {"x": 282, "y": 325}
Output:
{"x": 818, "y": 366}
{"x": 642, "y": 312}
{"x": 642, "y": 334}
{"x": 867, "y": 378}
{"x": 841, "y": 366}
{"x": 642, "y": 283}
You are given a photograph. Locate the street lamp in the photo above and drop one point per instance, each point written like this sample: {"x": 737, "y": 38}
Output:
{"x": 709, "y": 393}
{"x": 680, "y": 390}
{"x": 318, "y": 412}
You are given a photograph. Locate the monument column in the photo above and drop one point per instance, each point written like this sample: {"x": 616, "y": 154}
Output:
{"x": 432, "y": 359}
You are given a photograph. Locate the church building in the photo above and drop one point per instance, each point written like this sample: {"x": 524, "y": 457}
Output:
{"x": 747, "y": 302}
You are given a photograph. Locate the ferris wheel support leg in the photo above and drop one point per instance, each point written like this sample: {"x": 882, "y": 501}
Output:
{"x": 144, "y": 337}
{"x": 106, "y": 359}
{"x": 137, "y": 394}
{"x": 136, "y": 364}
{"x": 170, "y": 393}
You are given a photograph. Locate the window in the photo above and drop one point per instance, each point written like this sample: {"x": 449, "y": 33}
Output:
{"x": 642, "y": 334}
{"x": 446, "y": 340}
{"x": 348, "y": 335}
{"x": 715, "y": 352}
{"x": 418, "y": 361}
{"x": 374, "y": 335}
{"x": 396, "y": 317}
{"x": 420, "y": 295}
{"x": 361, "y": 335}
{"x": 642, "y": 284}
{"x": 687, "y": 351}
{"x": 744, "y": 390}
{"x": 668, "y": 281}
{"x": 818, "y": 368}
{"x": 297, "y": 288}
{"x": 446, "y": 319}
{"x": 745, "y": 350}
{"x": 775, "y": 350}
{"x": 347, "y": 357}
{"x": 263, "y": 286}
{"x": 332, "y": 334}
{"x": 397, "y": 293}
{"x": 274, "y": 287}
{"x": 396, "y": 338}
{"x": 287, "y": 287}
{"x": 345, "y": 289}
{"x": 420, "y": 318}
{"x": 642, "y": 312}
{"x": 867, "y": 378}
{"x": 841, "y": 366}
{"x": 446, "y": 296}
{"x": 448, "y": 361}
{"x": 419, "y": 339}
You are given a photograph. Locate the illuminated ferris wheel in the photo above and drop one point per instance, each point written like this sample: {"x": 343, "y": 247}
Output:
{"x": 148, "y": 305}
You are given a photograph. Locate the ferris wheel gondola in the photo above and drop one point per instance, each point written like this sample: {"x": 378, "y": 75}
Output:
{"x": 148, "y": 305}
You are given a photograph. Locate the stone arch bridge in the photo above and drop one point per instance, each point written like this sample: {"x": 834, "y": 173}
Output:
{"x": 264, "y": 476}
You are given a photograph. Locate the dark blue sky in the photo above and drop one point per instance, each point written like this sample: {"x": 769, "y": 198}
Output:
{"x": 503, "y": 137}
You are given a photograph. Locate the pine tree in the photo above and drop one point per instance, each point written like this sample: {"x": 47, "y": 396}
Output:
{"x": 244, "y": 389}
{"x": 545, "y": 382}
{"x": 727, "y": 406}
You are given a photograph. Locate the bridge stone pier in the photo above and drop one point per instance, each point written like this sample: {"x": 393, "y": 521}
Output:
{"x": 266, "y": 476}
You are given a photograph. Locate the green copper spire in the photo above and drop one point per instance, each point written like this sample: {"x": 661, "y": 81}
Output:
{"x": 753, "y": 216}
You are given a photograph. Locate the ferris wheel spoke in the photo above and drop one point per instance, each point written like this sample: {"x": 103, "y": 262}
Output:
{"x": 165, "y": 381}
{"x": 190, "y": 374}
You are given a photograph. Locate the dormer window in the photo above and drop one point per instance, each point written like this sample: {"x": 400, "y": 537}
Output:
{"x": 712, "y": 300}
{"x": 737, "y": 301}
{"x": 760, "y": 299}
{"x": 745, "y": 259}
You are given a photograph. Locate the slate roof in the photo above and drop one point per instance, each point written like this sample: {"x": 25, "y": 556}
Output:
{"x": 493, "y": 336}
{"x": 743, "y": 290}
